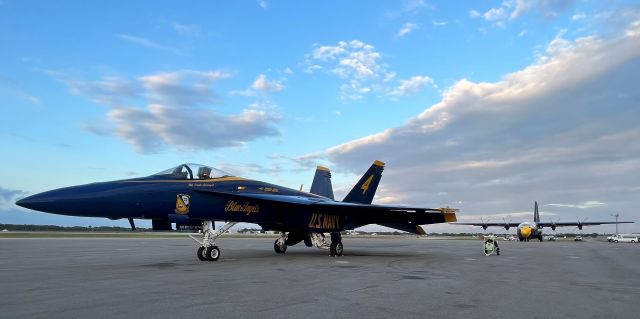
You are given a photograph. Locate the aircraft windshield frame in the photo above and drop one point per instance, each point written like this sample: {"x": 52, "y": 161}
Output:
{"x": 191, "y": 171}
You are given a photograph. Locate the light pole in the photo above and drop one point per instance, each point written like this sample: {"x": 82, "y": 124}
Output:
{"x": 616, "y": 216}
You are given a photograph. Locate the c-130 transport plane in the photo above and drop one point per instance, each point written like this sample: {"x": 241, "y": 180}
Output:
{"x": 198, "y": 195}
{"x": 533, "y": 230}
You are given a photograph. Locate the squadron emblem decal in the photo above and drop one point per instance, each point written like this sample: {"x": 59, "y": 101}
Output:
{"x": 182, "y": 204}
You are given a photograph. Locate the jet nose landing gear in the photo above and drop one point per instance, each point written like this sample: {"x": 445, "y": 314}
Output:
{"x": 280, "y": 246}
{"x": 208, "y": 251}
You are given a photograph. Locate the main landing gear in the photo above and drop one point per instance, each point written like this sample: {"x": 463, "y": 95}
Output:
{"x": 208, "y": 249}
{"x": 336, "y": 248}
{"x": 317, "y": 239}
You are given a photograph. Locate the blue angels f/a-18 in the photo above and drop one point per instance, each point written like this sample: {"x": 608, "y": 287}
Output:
{"x": 533, "y": 230}
{"x": 198, "y": 195}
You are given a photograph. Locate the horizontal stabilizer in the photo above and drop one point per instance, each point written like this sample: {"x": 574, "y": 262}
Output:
{"x": 409, "y": 228}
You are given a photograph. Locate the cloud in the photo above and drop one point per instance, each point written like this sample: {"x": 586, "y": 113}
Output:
{"x": 585, "y": 205}
{"x": 261, "y": 85}
{"x": 173, "y": 109}
{"x": 110, "y": 90}
{"x": 510, "y": 10}
{"x": 145, "y": 43}
{"x": 547, "y": 8}
{"x": 251, "y": 169}
{"x": 185, "y": 87}
{"x": 139, "y": 41}
{"x": 406, "y": 29}
{"x": 186, "y": 30}
{"x": 149, "y": 129}
{"x": 262, "y": 3}
{"x": 414, "y": 5}
{"x": 439, "y": 23}
{"x": 10, "y": 195}
{"x": 356, "y": 62}
{"x": 495, "y": 14}
{"x": 411, "y": 86}
{"x": 312, "y": 68}
{"x": 563, "y": 129}
{"x": 353, "y": 59}
{"x": 12, "y": 88}
{"x": 359, "y": 66}
{"x": 578, "y": 16}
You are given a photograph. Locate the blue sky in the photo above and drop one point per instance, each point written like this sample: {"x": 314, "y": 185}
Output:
{"x": 486, "y": 106}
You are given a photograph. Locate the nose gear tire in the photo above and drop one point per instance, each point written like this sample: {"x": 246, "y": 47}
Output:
{"x": 280, "y": 249}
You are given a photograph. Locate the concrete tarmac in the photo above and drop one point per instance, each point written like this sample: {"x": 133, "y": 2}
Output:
{"x": 377, "y": 278}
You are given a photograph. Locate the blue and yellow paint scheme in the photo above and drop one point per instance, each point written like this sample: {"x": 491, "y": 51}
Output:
{"x": 189, "y": 194}
{"x": 533, "y": 230}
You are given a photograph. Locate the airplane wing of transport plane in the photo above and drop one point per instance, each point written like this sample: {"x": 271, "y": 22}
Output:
{"x": 531, "y": 230}
{"x": 198, "y": 195}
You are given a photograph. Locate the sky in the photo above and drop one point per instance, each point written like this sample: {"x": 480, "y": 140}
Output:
{"x": 485, "y": 106}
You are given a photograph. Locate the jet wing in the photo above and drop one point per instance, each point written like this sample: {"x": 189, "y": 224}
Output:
{"x": 359, "y": 214}
{"x": 577, "y": 224}
{"x": 489, "y": 224}
{"x": 541, "y": 224}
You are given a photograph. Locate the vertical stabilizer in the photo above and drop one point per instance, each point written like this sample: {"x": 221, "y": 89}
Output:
{"x": 536, "y": 215}
{"x": 365, "y": 189}
{"x": 322, "y": 183}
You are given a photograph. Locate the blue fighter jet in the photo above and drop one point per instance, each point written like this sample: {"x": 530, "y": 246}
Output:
{"x": 197, "y": 195}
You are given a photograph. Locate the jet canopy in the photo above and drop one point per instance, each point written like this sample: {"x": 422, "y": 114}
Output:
{"x": 191, "y": 172}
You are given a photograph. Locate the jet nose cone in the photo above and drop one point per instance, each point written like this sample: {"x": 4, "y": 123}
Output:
{"x": 83, "y": 200}
{"x": 23, "y": 202}
{"x": 31, "y": 202}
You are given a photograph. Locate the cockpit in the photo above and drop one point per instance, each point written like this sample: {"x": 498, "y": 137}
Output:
{"x": 528, "y": 224}
{"x": 191, "y": 172}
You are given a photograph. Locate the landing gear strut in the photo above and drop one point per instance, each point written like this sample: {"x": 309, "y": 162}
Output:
{"x": 208, "y": 249}
{"x": 311, "y": 239}
{"x": 280, "y": 246}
